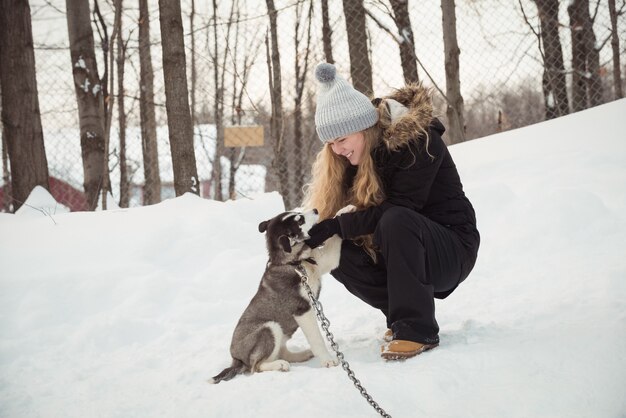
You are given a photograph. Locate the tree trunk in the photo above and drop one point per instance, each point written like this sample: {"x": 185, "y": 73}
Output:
{"x": 360, "y": 66}
{"x": 595, "y": 90}
{"x": 453, "y": 82}
{"x": 236, "y": 155}
{"x": 105, "y": 43}
{"x": 407, "y": 44}
{"x": 586, "y": 84}
{"x": 218, "y": 107}
{"x": 554, "y": 84}
{"x": 327, "y": 34}
{"x": 177, "y": 99}
{"x": 301, "y": 71}
{"x": 89, "y": 97}
{"x": 579, "y": 95}
{"x": 6, "y": 178}
{"x": 234, "y": 119}
{"x": 194, "y": 75}
{"x": 276, "y": 121}
{"x": 121, "y": 115}
{"x": 241, "y": 75}
{"x": 152, "y": 182}
{"x": 109, "y": 101}
{"x": 617, "y": 74}
{"x": 20, "y": 103}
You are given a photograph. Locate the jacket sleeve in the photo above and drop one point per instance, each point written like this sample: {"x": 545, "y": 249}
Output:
{"x": 412, "y": 176}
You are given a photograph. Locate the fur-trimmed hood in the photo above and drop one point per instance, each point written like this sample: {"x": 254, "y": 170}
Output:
{"x": 405, "y": 115}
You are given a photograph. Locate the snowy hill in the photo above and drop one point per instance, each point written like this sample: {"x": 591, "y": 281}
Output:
{"x": 127, "y": 313}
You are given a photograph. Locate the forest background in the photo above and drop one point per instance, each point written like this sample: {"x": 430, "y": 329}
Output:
{"x": 148, "y": 100}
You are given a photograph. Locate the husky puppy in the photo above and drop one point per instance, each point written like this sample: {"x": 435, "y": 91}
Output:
{"x": 281, "y": 304}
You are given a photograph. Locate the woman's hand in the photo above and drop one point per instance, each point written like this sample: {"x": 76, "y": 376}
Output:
{"x": 322, "y": 231}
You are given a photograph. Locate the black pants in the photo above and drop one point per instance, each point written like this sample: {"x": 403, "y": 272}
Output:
{"x": 418, "y": 260}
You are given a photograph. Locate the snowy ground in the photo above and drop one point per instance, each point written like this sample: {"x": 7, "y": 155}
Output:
{"x": 126, "y": 313}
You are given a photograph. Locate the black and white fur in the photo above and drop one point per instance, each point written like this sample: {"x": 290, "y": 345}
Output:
{"x": 281, "y": 305}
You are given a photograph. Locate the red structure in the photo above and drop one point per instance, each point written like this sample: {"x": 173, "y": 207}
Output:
{"x": 63, "y": 193}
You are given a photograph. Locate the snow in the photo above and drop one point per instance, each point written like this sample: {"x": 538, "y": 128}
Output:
{"x": 85, "y": 86}
{"x": 39, "y": 202}
{"x": 128, "y": 312}
{"x": 550, "y": 101}
{"x": 80, "y": 63}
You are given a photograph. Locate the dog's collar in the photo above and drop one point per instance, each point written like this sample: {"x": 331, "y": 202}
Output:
{"x": 309, "y": 260}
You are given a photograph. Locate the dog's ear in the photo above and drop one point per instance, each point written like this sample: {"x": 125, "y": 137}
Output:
{"x": 263, "y": 226}
{"x": 285, "y": 243}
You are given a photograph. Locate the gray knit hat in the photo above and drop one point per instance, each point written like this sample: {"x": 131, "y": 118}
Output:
{"x": 341, "y": 110}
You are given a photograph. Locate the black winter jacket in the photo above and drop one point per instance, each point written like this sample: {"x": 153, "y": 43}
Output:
{"x": 413, "y": 179}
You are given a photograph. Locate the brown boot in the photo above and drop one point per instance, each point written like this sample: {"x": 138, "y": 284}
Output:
{"x": 403, "y": 349}
{"x": 388, "y": 336}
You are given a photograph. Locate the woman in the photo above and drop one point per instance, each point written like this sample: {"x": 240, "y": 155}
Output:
{"x": 413, "y": 235}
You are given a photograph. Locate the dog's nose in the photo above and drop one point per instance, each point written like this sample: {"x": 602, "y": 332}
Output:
{"x": 315, "y": 211}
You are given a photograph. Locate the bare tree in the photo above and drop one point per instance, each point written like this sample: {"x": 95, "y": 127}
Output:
{"x": 453, "y": 82}
{"x": 109, "y": 97}
{"x": 554, "y": 85}
{"x": 21, "y": 121}
{"x": 327, "y": 34}
{"x": 177, "y": 99}
{"x": 617, "y": 75}
{"x": 152, "y": 185}
{"x": 241, "y": 65}
{"x": 218, "y": 107}
{"x": 89, "y": 96}
{"x": 105, "y": 44}
{"x": 404, "y": 37}
{"x": 301, "y": 71}
{"x": 279, "y": 165}
{"x": 360, "y": 65}
{"x": 121, "y": 114}
{"x": 407, "y": 44}
{"x": 235, "y": 155}
{"x": 586, "y": 84}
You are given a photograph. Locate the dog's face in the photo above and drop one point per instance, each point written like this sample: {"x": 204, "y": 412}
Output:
{"x": 286, "y": 232}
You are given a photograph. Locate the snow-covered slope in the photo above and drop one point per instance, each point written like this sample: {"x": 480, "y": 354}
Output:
{"x": 127, "y": 313}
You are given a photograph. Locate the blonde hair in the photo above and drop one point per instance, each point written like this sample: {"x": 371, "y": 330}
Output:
{"x": 329, "y": 190}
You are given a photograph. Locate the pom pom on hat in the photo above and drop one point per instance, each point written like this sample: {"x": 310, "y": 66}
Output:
{"x": 341, "y": 109}
{"x": 325, "y": 72}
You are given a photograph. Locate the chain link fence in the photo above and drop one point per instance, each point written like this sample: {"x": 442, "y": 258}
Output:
{"x": 520, "y": 62}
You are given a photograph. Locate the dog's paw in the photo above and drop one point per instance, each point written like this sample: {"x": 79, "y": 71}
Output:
{"x": 346, "y": 209}
{"x": 282, "y": 365}
{"x": 329, "y": 363}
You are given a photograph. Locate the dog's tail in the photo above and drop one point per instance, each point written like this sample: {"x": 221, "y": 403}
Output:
{"x": 237, "y": 367}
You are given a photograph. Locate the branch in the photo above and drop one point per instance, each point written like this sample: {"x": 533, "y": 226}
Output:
{"x": 606, "y": 39}
{"x": 49, "y": 3}
{"x": 104, "y": 41}
{"x": 537, "y": 34}
{"x": 383, "y": 27}
{"x": 43, "y": 211}
{"x": 595, "y": 12}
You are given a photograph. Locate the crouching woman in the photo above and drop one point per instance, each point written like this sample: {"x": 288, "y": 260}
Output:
{"x": 413, "y": 236}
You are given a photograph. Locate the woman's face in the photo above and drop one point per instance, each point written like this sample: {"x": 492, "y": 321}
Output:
{"x": 350, "y": 146}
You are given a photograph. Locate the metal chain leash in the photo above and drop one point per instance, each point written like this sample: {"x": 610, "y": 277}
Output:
{"x": 325, "y": 323}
